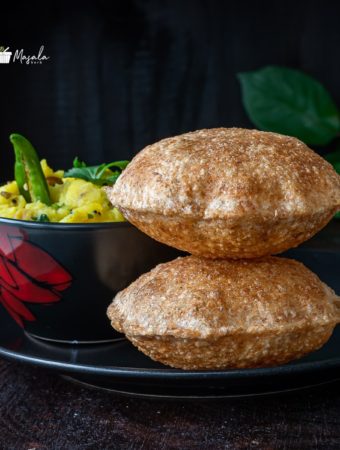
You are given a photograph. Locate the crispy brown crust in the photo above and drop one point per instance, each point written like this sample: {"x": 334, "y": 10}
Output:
{"x": 215, "y": 192}
{"x": 263, "y": 350}
{"x": 198, "y": 313}
{"x": 251, "y": 237}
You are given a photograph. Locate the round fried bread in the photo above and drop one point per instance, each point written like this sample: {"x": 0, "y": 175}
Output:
{"x": 196, "y": 313}
{"x": 228, "y": 192}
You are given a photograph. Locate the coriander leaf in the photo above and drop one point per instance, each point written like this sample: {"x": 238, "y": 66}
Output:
{"x": 43, "y": 218}
{"x": 120, "y": 165}
{"x": 290, "y": 102}
{"x": 111, "y": 179}
{"x": 77, "y": 163}
{"x": 100, "y": 175}
{"x": 77, "y": 173}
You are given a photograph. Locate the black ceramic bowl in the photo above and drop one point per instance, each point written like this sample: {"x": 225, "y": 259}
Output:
{"x": 57, "y": 280}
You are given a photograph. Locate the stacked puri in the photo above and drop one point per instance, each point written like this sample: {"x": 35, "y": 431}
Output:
{"x": 231, "y": 197}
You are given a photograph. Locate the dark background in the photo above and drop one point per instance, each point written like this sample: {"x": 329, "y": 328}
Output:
{"x": 123, "y": 74}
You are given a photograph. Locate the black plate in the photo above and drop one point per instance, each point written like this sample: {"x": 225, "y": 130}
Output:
{"x": 121, "y": 368}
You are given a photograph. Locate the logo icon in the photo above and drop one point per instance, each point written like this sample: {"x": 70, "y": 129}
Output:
{"x": 5, "y": 56}
{"x": 20, "y": 57}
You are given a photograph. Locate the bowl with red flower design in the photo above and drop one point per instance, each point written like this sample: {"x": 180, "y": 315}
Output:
{"x": 65, "y": 250}
{"x": 57, "y": 279}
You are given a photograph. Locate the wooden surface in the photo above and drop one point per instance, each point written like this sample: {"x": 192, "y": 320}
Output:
{"x": 39, "y": 410}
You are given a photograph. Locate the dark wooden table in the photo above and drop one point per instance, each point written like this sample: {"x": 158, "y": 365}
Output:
{"x": 40, "y": 410}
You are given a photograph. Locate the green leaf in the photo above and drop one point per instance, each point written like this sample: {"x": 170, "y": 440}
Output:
{"x": 109, "y": 180}
{"x": 103, "y": 169}
{"x": 118, "y": 164}
{"x": 43, "y": 218}
{"x": 78, "y": 163}
{"x": 100, "y": 175}
{"x": 290, "y": 102}
{"x": 85, "y": 173}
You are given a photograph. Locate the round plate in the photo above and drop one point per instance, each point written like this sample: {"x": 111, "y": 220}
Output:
{"x": 120, "y": 367}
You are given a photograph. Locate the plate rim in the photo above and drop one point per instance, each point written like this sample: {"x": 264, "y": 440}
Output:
{"x": 294, "y": 368}
{"x": 171, "y": 373}
{"x": 184, "y": 397}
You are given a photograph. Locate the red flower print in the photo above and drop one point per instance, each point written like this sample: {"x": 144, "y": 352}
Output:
{"x": 27, "y": 275}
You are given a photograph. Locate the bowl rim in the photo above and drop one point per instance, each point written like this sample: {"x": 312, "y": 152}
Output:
{"x": 64, "y": 226}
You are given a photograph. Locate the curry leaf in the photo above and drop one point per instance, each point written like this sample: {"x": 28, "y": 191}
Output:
{"x": 290, "y": 102}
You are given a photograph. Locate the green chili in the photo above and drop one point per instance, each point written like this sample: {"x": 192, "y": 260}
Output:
{"x": 20, "y": 177}
{"x": 28, "y": 172}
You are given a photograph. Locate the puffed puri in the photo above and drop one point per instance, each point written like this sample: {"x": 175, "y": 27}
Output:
{"x": 196, "y": 313}
{"x": 228, "y": 192}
